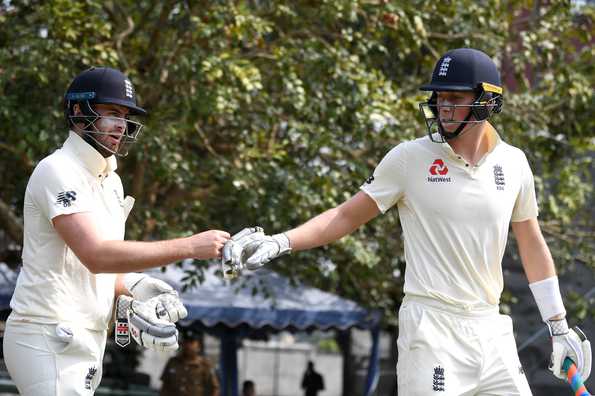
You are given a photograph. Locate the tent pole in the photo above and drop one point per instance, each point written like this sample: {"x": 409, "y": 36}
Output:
{"x": 373, "y": 363}
{"x": 228, "y": 361}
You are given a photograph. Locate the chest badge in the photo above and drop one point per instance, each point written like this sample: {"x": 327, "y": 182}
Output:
{"x": 499, "y": 177}
{"x": 438, "y": 171}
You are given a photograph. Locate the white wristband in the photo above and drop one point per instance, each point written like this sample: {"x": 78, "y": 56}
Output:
{"x": 131, "y": 279}
{"x": 548, "y": 298}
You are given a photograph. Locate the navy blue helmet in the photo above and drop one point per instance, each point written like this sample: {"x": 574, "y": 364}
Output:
{"x": 467, "y": 70}
{"x": 102, "y": 85}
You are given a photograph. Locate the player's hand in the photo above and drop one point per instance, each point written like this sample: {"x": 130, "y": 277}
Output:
{"x": 147, "y": 328}
{"x": 261, "y": 251}
{"x": 251, "y": 248}
{"x": 234, "y": 255}
{"x": 143, "y": 287}
{"x": 571, "y": 343}
{"x": 208, "y": 244}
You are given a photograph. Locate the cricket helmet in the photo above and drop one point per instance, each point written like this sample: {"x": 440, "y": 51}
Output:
{"x": 102, "y": 85}
{"x": 466, "y": 70}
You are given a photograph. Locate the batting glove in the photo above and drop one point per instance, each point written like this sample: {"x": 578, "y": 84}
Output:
{"x": 262, "y": 250}
{"x": 234, "y": 254}
{"x": 251, "y": 248}
{"x": 146, "y": 326}
{"x": 144, "y": 287}
{"x": 571, "y": 343}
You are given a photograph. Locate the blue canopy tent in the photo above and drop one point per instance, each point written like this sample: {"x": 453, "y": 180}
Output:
{"x": 231, "y": 305}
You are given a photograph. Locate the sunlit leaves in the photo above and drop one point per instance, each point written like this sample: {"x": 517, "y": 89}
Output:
{"x": 270, "y": 112}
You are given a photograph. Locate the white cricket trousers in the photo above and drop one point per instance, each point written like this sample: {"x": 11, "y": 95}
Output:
{"x": 53, "y": 360}
{"x": 448, "y": 351}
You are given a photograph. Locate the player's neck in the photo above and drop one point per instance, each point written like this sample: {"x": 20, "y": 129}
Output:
{"x": 474, "y": 143}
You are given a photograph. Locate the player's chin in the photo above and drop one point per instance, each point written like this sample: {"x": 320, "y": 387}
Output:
{"x": 112, "y": 142}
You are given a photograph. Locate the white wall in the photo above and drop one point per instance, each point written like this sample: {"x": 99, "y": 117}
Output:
{"x": 277, "y": 369}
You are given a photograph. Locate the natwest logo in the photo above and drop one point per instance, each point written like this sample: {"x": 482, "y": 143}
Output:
{"x": 438, "y": 170}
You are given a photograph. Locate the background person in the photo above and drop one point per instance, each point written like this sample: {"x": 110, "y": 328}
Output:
{"x": 190, "y": 373}
{"x": 248, "y": 388}
{"x": 312, "y": 381}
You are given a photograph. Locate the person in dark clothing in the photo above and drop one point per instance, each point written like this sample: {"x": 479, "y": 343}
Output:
{"x": 248, "y": 388}
{"x": 312, "y": 382}
{"x": 190, "y": 373}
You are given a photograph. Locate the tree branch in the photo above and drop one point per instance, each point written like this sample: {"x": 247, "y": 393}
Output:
{"x": 25, "y": 160}
{"x": 11, "y": 223}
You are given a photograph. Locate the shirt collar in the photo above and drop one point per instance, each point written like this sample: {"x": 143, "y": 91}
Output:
{"x": 90, "y": 158}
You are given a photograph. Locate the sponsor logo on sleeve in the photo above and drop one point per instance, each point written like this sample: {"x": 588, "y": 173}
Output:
{"x": 65, "y": 198}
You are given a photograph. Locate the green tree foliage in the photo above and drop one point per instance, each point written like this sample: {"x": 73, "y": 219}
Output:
{"x": 269, "y": 112}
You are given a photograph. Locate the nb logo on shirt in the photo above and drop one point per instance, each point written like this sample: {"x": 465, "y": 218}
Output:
{"x": 65, "y": 198}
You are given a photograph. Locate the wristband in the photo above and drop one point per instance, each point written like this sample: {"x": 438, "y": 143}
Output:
{"x": 548, "y": 298}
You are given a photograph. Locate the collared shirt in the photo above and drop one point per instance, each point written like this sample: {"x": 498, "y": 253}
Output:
{"x": 455, "y": 216}
{"x": 53, "y": 285}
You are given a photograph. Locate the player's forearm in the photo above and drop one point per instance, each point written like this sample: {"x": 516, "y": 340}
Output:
{"x": 333, "y": 224}
{"x": 539, "y": 268}
{"x": 130, "y": 256}
{"x": 325, "y": 228}
{"x": 537, "y": 262}
{"x": 318, "y": 231}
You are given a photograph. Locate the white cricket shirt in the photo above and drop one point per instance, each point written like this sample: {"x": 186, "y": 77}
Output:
{"x": 455, "y": 216}
{"x": 53, "y": 285}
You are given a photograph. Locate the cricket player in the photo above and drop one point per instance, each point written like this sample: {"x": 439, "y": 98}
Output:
{"x": 457, "y": 191}
{"x": 75, "y": 261}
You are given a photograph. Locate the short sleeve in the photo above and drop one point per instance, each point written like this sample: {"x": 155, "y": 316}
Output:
{"x": 387, "y": 184}
{"x": 525, "y": 206}
{"x": 59, "y": 187}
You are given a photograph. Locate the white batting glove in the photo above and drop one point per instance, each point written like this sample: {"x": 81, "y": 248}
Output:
{"x": 146, "y": 327}
{"x": 262, "y": 250}
{"x": 233, "y": 254}
{"x": 144, "y": 287}
{"x": 571, "y": 343}
{"x": 251, "y": 248}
